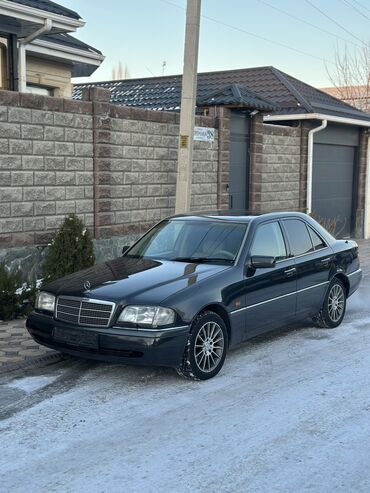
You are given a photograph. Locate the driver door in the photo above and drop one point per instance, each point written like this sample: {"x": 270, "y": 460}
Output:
{"x": 270, "y": 293}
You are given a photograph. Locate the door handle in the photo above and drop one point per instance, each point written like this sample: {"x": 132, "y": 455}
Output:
{"x": 325, "y": 261}
{"x": 290, "y": 272}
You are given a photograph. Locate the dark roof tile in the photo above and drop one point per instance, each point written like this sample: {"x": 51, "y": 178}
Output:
{"x": 48, "y": 6}
{"x": 237, "y": 95}
{"x": 68, "y": 40}
{"x": 267, "y": 83}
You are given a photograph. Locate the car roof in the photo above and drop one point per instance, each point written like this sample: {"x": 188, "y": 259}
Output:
{"x": 238, "y": 218}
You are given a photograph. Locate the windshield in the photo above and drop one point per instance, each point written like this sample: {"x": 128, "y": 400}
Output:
{"x": 191, "y": 241}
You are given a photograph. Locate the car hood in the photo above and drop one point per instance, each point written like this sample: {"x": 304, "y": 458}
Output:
{"x": 128, "y": 279}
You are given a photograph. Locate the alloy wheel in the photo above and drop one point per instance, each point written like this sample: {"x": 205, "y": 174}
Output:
{"x": 336, "y": 301}
{"x": 209, "y": 346}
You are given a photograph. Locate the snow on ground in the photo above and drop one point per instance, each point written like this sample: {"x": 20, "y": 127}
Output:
{"x": 31, "y": 384}
{"x": 290, "y": 412}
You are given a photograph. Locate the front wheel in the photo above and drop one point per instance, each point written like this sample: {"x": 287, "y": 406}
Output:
{"x": 334, "y": 306}
{"x": 206, "y": 348}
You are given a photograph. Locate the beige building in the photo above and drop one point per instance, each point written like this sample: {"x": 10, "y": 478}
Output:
{"x": 357, "y": 96}
{"x": 37, "y": 52}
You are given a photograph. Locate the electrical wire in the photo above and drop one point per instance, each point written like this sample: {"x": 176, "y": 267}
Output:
{"x": 361, "y": 6}
{"x": 249, "y": 33}
{"x": 307, "y": 22}
{"x": 352, "y": 6}
{"x": 333, "y": 20}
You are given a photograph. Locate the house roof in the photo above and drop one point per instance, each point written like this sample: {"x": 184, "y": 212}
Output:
{"x": 62, "y": 47}
{"x": 68, "y": 40}
{"x": 237, "y": 95}
{"x": 48, "y": 6}
{"x": 268, "y": 83}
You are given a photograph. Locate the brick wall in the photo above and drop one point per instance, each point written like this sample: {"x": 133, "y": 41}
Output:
{"x": 115, "y": 167}
{"x": 274, "y": 167}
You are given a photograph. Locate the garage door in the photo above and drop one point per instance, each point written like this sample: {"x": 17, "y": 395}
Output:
{"x": 332, "y": 185}
{"x": 334, "y": 176}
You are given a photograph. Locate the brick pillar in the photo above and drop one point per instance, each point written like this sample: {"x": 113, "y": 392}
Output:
{"x": 102, "y": 127}
{"x": 255, "y": 150}
{"x": 305, "y": 127}
{"x": 360, "y": 186}
{"x": 223, "y": 158}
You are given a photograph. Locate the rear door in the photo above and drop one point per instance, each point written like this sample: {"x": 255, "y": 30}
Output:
{"x": 270, "y": 294}
{"x": 313, "y": 259}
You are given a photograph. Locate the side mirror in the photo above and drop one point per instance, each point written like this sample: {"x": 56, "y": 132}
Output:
{"x": 262, "y": 262}
{"x": 124, "y": 249}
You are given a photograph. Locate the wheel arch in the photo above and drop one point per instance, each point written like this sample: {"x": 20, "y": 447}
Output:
{"x": 344, "y": 279}
{"x": 219, "y": 310}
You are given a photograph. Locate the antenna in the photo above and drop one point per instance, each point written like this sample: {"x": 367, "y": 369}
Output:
{"x": 164, "y": 63}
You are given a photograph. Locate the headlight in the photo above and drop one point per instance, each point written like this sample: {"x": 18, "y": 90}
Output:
{"x": 147, "y": 315}
{"x": 45, "y": 301}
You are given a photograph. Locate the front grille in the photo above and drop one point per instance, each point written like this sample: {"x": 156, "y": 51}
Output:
{"x": 82, "y": 311}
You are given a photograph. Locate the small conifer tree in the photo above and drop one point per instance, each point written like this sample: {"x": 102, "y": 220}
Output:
{"x": 9, "y": 282}
{"x": 70, "y": 250}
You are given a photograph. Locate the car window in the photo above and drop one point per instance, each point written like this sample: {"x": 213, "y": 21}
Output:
{"x": 165, "y": 240}
{"x": 317, "y": 241}
{"x": 191, "y": 239}
{"x": 299, "y": 238}
{"x": 269, "y": 241}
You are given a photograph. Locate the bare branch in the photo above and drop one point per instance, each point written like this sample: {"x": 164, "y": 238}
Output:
{"x": 351, "y": 76}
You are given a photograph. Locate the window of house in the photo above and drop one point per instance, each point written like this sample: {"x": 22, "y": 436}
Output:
{"x": 299, "y": 237}
{"x": 39, "y": 89}
{"x": 269, "y": 241}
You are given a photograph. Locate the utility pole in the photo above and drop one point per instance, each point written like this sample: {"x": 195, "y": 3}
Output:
{"x": 187, "y": 110}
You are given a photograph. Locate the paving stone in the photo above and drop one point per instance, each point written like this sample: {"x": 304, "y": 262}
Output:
{"x": 29, "y": 343}
{"x": 9, "y": 359}
{"x": 17, "y": 331}
{"x": 27, "y": 353}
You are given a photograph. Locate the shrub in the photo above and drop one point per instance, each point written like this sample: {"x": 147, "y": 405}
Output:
{"x": 27, "y": 298}
{"x": 15, "y": 300}
{"x": 70, "y": 250}
{"x": 330, "y": 224}
{"x": 9, "y": 282}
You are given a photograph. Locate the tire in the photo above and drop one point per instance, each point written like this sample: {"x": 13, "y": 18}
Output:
{"x": 205, "y": 351}
{"x": 334, "y": 306}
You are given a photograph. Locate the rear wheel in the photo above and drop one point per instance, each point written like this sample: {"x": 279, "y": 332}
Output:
{"x": 334, "y": 306}
{"x": 206, "y": 348}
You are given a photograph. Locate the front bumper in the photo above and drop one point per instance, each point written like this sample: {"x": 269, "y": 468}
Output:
{"x": 116, "y": 344}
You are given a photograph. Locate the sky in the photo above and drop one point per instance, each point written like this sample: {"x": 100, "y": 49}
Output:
{"x": 142, "y": 34}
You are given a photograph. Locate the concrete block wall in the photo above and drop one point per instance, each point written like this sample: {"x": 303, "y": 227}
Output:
{"x": 275, "y": 167}
{"x": 135, "y": 166}
{"x": 113, "y": 166}
{"x": 46, "y": 162}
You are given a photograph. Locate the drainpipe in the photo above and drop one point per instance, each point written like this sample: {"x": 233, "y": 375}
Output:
{"x": 367, "y": 193}
{"x": 309, "y": 163}
{"x": 22, "y": 53}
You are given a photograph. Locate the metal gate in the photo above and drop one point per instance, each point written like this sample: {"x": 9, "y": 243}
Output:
{"x": 239, "y": 162}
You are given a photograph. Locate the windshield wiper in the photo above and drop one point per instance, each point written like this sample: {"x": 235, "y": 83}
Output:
{"x": 199, "y": 260}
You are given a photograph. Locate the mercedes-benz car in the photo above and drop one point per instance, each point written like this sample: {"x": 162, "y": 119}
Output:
{"x": 194, "y": 286}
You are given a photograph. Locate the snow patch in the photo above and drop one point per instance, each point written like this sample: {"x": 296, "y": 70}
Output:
{"x": 31, "y": 384}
